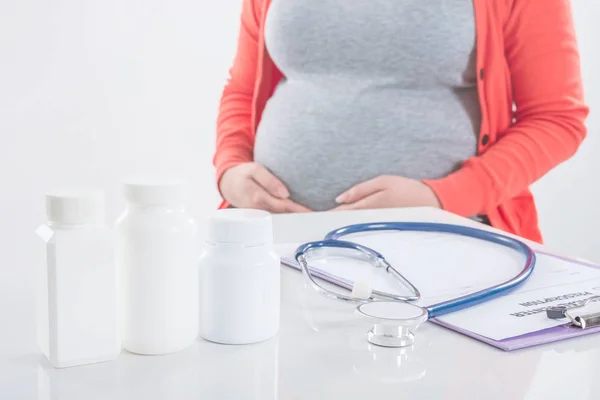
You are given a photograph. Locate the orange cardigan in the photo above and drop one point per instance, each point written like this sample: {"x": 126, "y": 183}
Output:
{"x": 527, "y": 55}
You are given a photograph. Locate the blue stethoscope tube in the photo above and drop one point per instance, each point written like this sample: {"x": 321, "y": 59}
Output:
{"x": 449, "y": 306}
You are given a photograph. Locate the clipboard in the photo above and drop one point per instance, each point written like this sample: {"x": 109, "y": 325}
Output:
{"x": 561, "y": 332}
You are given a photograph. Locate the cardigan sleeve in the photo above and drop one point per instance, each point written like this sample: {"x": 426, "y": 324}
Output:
{"x": 543, "y": 59}
{"x": 234, "y": 143}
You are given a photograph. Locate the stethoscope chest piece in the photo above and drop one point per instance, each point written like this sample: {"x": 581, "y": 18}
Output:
{"x": 394, "y": 322}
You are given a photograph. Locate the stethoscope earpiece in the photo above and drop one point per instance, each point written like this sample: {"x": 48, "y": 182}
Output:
{"x": 362, "y": 290}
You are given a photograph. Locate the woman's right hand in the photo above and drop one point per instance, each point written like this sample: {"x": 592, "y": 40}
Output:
{"x": 251, "y": 185}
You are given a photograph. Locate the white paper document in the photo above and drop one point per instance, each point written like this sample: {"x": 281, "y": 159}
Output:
{"x": 444, "y": 266}
{"x": 522, "y": 312}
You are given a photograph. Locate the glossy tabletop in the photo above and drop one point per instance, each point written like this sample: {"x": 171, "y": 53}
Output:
{"x": 321, "y": 352}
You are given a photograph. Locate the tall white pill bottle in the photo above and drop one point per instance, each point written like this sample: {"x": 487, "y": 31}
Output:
{"x": 157, "y": 256}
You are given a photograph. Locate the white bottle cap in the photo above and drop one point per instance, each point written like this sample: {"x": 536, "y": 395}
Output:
{"x": 245, "y": 226}
{"x": 155, "y": 192}
{"x": 75, "y": 207}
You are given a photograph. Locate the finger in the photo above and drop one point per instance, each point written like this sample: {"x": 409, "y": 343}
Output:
{"x": 294, "y": 207}
{"x": 263, "y": 200}
{"x": 270, "y": 182}
{"x": 277, "y": 205}
{"x": 376, "y": 200}
{"x": 362, "y": 190}
{"x": 260, "y": 198}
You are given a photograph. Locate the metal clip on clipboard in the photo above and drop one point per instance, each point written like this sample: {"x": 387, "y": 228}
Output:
{"x": 580, "y": 321}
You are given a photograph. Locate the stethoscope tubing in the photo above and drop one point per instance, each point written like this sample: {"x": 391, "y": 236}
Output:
{"x": 332, "y": 239}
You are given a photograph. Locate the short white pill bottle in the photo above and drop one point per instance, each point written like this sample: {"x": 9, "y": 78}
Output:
{"x": 157, "y": 255}
{"x": 239, "y": 278}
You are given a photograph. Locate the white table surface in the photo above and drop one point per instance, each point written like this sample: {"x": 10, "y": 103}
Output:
{"x": 320, "y": 353}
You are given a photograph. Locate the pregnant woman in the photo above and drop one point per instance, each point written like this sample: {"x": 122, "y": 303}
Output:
{"x": 350, "y": 104}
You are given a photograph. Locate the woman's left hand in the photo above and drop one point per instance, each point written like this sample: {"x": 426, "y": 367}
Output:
{"x": 388, "y": 192}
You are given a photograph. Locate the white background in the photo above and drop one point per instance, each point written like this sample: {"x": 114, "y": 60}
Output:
{"x": 94, "y": 90}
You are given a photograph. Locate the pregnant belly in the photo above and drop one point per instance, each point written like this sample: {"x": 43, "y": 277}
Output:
{"x": 322, "y": 140}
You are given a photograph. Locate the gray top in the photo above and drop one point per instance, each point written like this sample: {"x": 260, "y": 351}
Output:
{"x": 372, "y": 88}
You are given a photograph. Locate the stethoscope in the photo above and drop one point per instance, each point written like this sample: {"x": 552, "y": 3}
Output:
{"x": 393, "y": 315}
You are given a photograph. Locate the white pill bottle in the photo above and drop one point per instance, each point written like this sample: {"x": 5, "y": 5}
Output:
{"x": 239, "y": 278}
{"x": 77, "y": 316}
{"x": 157, "y": 256}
